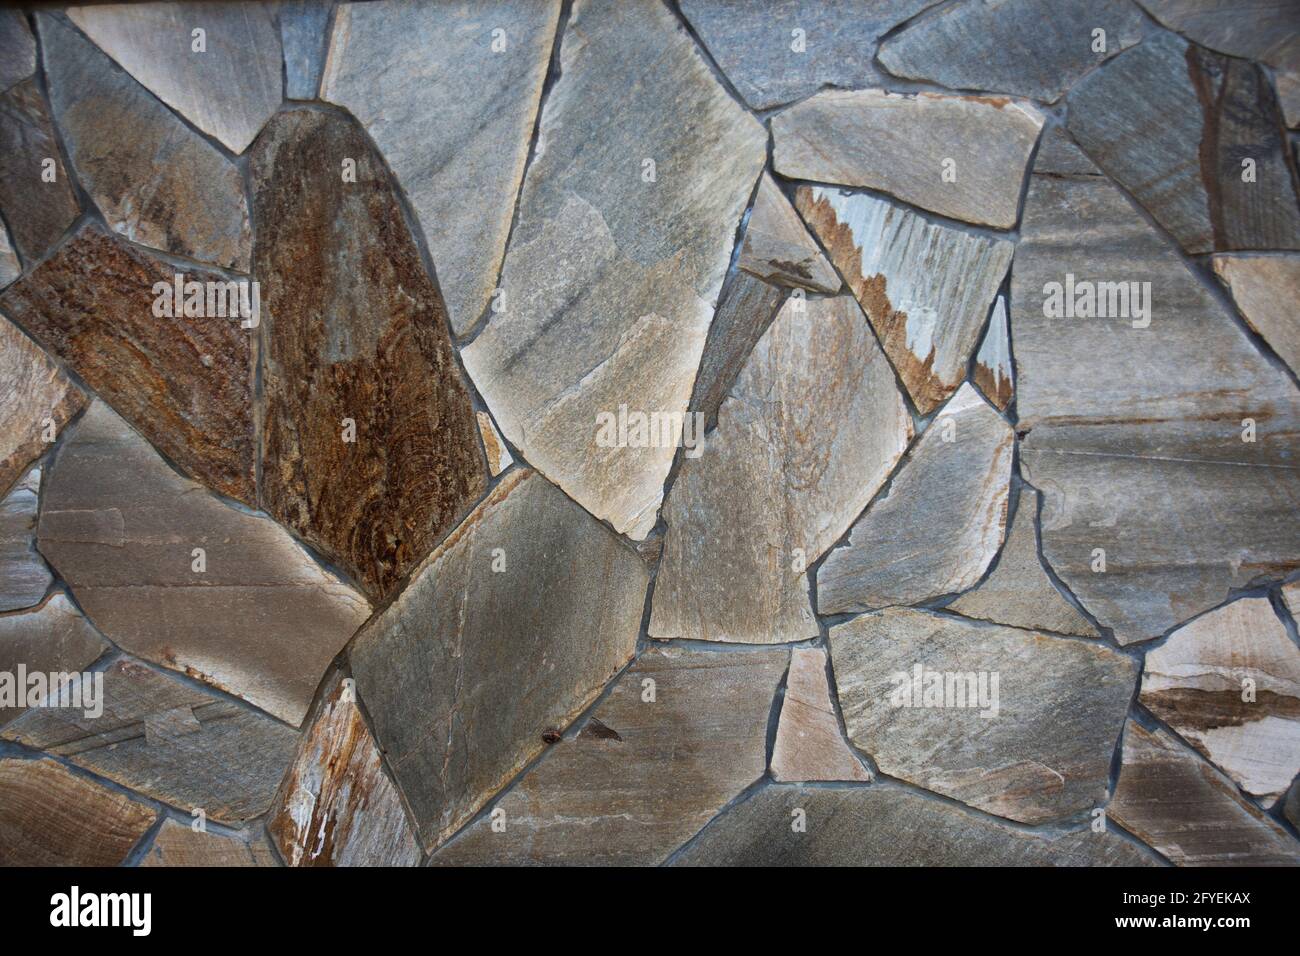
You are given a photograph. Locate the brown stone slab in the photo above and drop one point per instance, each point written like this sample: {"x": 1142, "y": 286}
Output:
{"x": 177, "y": 844}
{"x": 809, "y": 744}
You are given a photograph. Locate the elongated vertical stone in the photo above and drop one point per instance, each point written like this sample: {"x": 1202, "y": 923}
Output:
{"x": 992, "y": 373}
{"x": 51, "y": 639}
{"x": 370, "y": 447}
{"x": 303, "y": 28}
{"x": 36, "y": 195}
{"x": 778, "y": 248}
{"x": 809, "y": 745}
{"x": 17, "y": 49}
{"x": 498, "y": 455}
{"x": 24, "y": 577}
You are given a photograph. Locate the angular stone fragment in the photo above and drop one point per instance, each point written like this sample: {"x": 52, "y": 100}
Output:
{"x": 453, "y": 116}
{"x": 303, "y": 26}
{"x": 1134, "y": 419}
{"x": 809, "y": 745}
{"x": 510, "y": 629}
{"x": 36, "y": 401}
{"x": 645, "y": 773}
{"x": 17, "y": 49}
{"x": 1058, "y": 155}
{"x": 178, "y": 845}
{"x": 1176, "y": 125}
{"x": 941, "y": 523}
{"x": 1034, "y": 48}
{"x": 337, "y": 806}
{"x": 1180, "y": 805}
{"x": 613, "y": 273}
{"x": 24, "y": 578}
{"x": 992, "y": 373}
{"x": 186, "y": 383}
{"x": 36, "y": 209}
{"x": 889, "y": 826}
{"x": 1229, "y": 683}
{"x": 1019, "y": 592}
{"x": 228, "y": 90}
{"x": 498, "y": 455}
{"x": 746, "y": 308}
{"x": 1266, "y": 289}
{"x": 51, "y": 639}
{"x": 50, "y": 816}
{"x": 781, "y": 51}
{"x": 811, "y": 430}
{"x": 903, "y": 144}
{"x": 925, "y": 287}
{"x": 161, "y": 185}
{"x": 10, "y": 267}
{"x": 168, "y": 740}
{"x": 778, "y": 248}
{"x": 1015, "y": 723}
{"x": 174, "y": 575}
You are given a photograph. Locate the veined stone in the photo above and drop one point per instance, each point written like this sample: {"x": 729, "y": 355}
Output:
{"x": 228, "y": 90}
{"x": 778, "y": 248}
{"x": 370, "y": 449}
{"x": 168, "y": 740}
{"x": 17, "y": 49}
{"x": 1034, "y": 48}
{"x": 1266, "y": 289}
{"x": 1229, "y": 684}
{"x": 498, "y": 455}
{"x": 24, "y": 578}
{"x": 174, "y": 575}
{"x": 51, "y": 639}
{"x": 337, "y": 807}
{"x": 908, "y": 144}
{"x": 451, "y": 102}
{"x": 625, "y": 230}
{"x": 1197, "y": 139}
{"x": 809, "y": 745}
{"x": 925, "y": 287}
{"x": 1172, "y": 800}
{"x": 940, "y": 524}
{"x": 161, "y": 185}
{"x": 1134, "y": 416}
{"x": 36, "y": 401}
{"x": 1015, "y": 723}
{"x": 1019, "y": 592}
{"x": 784, "y": 50}
{"x": 992, "y": 373}
{"x": 10, "y": 267}
{"x": 888, "y": 825}
{"x": 303, "y": 24}
{"x": 509, "y": 630}
{"x": 38, "y": 210}
{"x": 680, "y": 734}
{"x": 50, "y": 816}
{"x": 178, "y": 845}
{"x": 811, "y": 430}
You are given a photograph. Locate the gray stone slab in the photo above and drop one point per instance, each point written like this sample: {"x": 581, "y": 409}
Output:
{"x": 303, "y": 28}
{"x": 777, "y": 246}
{"x": 51, "y": 639}
{"x": 24, "y": 576}
{"x": 36, "y": 195}
{"x": 992, "y": 373}
{"x": 17, "y": 49}
{"x": 178, "y": 844}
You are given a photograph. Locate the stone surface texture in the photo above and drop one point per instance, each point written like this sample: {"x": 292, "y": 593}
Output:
{"x": 494, "y": 446}
{"x": 53, "y": 638}
{"x": 177, "y": 844}
{"x": 303, "y": 35}
{"x": 809, "y": 744}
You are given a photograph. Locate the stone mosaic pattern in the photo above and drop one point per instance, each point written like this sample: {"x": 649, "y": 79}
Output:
{"x": 650, "y": 432}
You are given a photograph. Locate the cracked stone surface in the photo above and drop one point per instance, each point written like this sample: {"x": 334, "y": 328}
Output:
{"x": 24, "y": 576}
{"x": 777, "y": 246}
{"x": 1265, "y": 289}
{"x": 809, "y": 744}
{"x": 178, "y": 845}
{"x": 37, "y": 207}
{"x": 52, "y": 638}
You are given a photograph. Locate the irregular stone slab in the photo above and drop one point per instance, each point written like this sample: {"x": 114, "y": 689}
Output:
{"x": 355, "y": 333}
{"x": 925, "y": 287}
{"x": 337, "y": 807}
{"x": 1266, "y": 289}
{"x": 178, "y": 845}
{"x": 1172, "y": 124}
{"x": 888, "y": 826}
{"x": 1177, "y": 803}
{"x": 24, "y": 577}
{"x": 170, "y": 741}
{"x": 941, "y": 523}
{"x": 770, "y": 63}
{"x": 36, "y": 401}
{"x": 1229, "y": 684}
{"x": 303, "y": 26}
{"x": 260, "y": 619}
{"x": 1019, "y": 592}
{"x": 809, "y": 745}
{"x": 655, "y": 763}
{"x": 17, "y": 49}
{"x": 51, "y": 639}
{"x": 228, "y": 90}
{"x": 1254, "y": 29}
{"x": 163, "y": 186}
{"x": 10, "y": 267}
{"x": 453, "y": 116}
{"x": 470, "y": 666}
{"x": 745, "y": 310}
{"x": 992, "y": 374}
{"x": 898, "y": 143}
{"x": 186, "y": 383}
{"x": 1015, "y": 723}
{"x": 37, "y": 210}
{"x": 611, "y": 280}
{"x": 50, "y": 816}
{"x": 498, "y": 455}
{"x": 811, "y": 430}
{"x": 1134, "y": 434}
{"x": 1034, "y": 48}
{"x": 777, "y": 247}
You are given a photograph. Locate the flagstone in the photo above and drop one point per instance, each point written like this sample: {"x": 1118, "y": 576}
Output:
{"x": 53, "y": 638}
{"x": 1266, "y": 289}
{"x": 36, "y": 193}
{"x": 809, "y": 744}
{"x": 1255, "y": 29}
{"x": 177, "y": 844}
{"x": 17, "y": 49}
{"x": 992, "y": 373}
{"x": 303, "y": 35}
{"x": 24, "y": 577}
{"x": 777, "y": 247}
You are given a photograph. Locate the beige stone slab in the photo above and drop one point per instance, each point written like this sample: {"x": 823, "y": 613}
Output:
{"x": 36, "y": 400}
{"x": 177, "y": 844}
{"x": 777, "y": 247}
{"x": 1266, "y": 290}
{"x": 498, "y": 454}
{"x": 809, "y": 744}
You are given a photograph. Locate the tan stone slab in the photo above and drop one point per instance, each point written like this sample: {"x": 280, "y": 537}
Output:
{"x": 36, "y": 401}
{"x": 777, "y": 247}
{"x": 498, "y": 455}
{"x": 809, "y": 744}
{"x": 1266, "y": 290}
{"x": 177, "y": 844}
